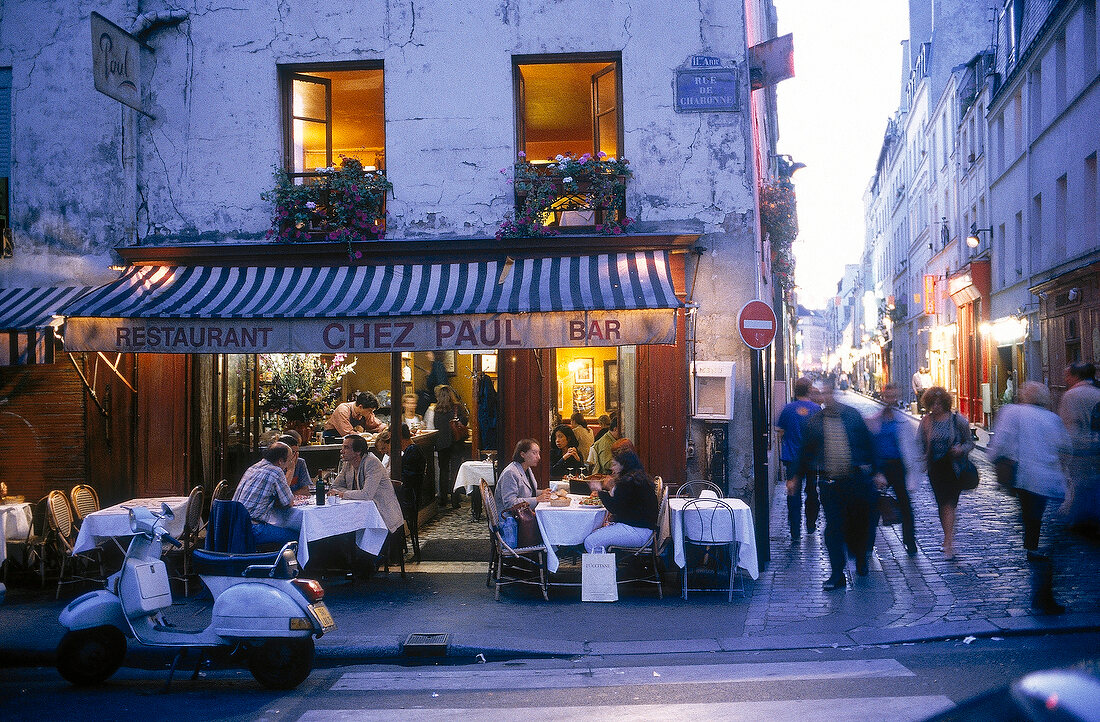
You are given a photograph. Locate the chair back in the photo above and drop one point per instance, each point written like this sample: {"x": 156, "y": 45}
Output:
{"x": 40, "y": 515}
{"x": 659, "y": 484}
{"x": 490, "y": 507}
{"x": 61, "y": 517}
{"x": 193, "y": 514}
{"x": 663, "y": 530}
{"x": 221, "y": 491}
{"x": 709, "y": 521}
{"x": 85, "y": 501}
{"x": 693, "y": 489}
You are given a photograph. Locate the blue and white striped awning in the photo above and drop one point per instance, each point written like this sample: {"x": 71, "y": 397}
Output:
{"x": 295, "y": 303}
{"x": 23, "y": 309}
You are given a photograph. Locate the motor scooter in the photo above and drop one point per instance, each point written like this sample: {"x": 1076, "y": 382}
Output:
{"x": 261, "y": 611}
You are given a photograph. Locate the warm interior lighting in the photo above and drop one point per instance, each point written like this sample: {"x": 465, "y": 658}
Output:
{"x": 973, "y": 241}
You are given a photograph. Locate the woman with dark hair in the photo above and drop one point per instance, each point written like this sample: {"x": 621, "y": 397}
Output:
{"x": 945, "y": 437}
{"x": 517, "y": 482}
{"x": 565, "y": 459}
{"x": 631, "y": 505}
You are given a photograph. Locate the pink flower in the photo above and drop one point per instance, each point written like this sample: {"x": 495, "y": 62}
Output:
{"x": 601, "y": 154}
{"x": 522, "y": 154}
{"x": 358, "y": 254}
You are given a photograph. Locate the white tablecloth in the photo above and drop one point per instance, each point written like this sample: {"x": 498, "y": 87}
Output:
{"x": 566, "y": 525}
{"x": 744, "y": 531}
{"x": 114, "y": 521}
{"x": 471, "y": 473}
{"x": 14, "y": 525}
{"x": 337, "y": 516}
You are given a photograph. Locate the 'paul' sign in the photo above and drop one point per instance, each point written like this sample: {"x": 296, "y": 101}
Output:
{"x": 116, "y": 62}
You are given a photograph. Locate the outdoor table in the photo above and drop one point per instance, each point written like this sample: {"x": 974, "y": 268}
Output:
{"x": 337, "y": 516}
{"x": 114, "y": 521}
{"x": 471, "y": 473}
{"x": 14, "y": 525}
{"x": 566, "y": 525}
{"x": 745, "y": 533}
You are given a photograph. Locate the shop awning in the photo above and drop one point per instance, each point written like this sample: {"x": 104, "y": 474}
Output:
{"x": 25, "y": 309}
{"x": 611, "y": 299}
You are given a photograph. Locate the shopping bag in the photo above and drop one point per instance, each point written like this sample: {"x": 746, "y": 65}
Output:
{"x": 598, "y": 579}
{"x": 889, "y": 510}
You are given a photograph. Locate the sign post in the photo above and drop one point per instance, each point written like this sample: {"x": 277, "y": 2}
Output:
{"x": 757, "y": 325}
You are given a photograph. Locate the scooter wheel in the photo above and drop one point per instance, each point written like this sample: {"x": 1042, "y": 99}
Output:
{"x": 281, "y": 663}
{"x": 89, "y": 656}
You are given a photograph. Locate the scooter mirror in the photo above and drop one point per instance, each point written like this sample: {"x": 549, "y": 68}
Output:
{"x": 133, "y": 522}
{"x": 166, "y": 511}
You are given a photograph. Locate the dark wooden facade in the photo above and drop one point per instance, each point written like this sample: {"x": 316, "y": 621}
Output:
{"x": 1069, "y": 315}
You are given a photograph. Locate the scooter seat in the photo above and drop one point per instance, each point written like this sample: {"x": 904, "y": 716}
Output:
{"x": 220, "y": 564}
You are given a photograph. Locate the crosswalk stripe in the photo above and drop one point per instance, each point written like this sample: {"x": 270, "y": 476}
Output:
{"x": 896, "y": 709}
{"x": 474, "y": 678}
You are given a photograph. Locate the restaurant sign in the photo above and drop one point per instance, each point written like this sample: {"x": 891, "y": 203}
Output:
{"x": 116, "y": 63}
{"x": 561, "y": 329}
{"x": 707, "y": 84}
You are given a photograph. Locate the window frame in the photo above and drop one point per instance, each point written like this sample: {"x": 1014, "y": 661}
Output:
{"x": 287, "y": 73}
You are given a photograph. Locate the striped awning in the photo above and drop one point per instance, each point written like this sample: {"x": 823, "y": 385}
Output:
{"x": 606, "y": 299}
{"x": 23, "y": 309}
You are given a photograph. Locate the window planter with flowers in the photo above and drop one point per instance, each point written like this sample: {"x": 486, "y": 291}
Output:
{"x": 779, "y": 219}
{"x": 344, "y": 204}
{"x": 584, "y": 192}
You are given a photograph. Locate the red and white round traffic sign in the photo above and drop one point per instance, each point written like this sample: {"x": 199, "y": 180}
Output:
{"x": 756, "y": 323}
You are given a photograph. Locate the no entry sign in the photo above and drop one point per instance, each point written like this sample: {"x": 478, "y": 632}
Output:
{"x": 756, "y": 323}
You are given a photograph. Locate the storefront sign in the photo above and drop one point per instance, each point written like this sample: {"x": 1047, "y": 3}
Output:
{"x": 929, "y": 295}
{"x": 116, "y": 62}
{"x": 707, "y": 84}
{"x": 410, "y": 333}
{"x": 958, "y": 283}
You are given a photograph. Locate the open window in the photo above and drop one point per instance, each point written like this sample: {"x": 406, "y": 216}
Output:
{"x": 332, "y": 111}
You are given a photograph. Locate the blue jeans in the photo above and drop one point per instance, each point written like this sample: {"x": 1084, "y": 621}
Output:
{"x": 265, "y": 533}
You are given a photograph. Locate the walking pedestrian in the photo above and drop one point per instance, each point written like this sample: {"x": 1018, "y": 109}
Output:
{"x": 1033, "y": 437}
{"x": 898, "y": 458}
{"x": 1080, "y": 412}
{"x": 790, "y": 424}
{"x": 945, "y": 436}
{"x": 838, "y": 444}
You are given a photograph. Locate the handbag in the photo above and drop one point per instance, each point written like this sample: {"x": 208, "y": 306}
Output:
{"x": 966, "y": 474}
{"x": 1005, "y": 470}
{"x": 598, "y": 578}
{"x": 528, "y": 526}
{"x": 459, "y": 430}
{"x": 889, "y": 510}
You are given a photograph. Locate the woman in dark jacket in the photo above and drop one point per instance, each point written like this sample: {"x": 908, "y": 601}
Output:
{"x": 632, "y": 505}
{"x": 447, "y": 407}
{"x": 565, "y": 457}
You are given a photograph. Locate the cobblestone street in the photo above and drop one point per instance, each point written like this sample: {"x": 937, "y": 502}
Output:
{"x": 989, "y": 579}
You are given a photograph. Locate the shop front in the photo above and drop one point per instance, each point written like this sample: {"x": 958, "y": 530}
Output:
{"x": 1069, "y": 317}
{"x": 523, "y": 335}
{"x": 970, "y": 289}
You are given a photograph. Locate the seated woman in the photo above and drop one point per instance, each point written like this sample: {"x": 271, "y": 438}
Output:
{"x": 298, "y": 476}
{"x": 517, "y": 482}
{"x": 565, "y": 458}
{"x": 631, "y": 505}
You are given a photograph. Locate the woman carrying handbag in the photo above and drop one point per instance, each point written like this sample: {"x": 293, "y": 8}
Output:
{"x": 449, "y": 417}
{"x": 945, "y": 437}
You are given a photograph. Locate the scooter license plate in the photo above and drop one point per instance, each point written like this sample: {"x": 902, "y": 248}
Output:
{"x": 323, "y": 616}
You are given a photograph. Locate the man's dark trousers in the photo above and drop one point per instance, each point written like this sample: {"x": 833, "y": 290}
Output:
{"x": 794, "y": 501}
{"x": 847, "y": 505}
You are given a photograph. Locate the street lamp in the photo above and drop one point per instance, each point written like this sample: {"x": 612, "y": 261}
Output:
{"x": 973, "y": 240}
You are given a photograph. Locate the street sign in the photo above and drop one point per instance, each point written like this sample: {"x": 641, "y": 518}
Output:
{"x": 756, "y": 323}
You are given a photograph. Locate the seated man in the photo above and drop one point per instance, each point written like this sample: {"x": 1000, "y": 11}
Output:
{"x": 351, "y": 416}
{"x": 263, "y": 491}
{"x": 362, "y": 476}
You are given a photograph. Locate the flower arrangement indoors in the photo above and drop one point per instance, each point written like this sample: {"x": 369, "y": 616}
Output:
{"x": 301, "y": 389}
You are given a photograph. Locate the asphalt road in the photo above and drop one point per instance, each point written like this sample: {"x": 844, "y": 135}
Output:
{"x": 898, "y": 682}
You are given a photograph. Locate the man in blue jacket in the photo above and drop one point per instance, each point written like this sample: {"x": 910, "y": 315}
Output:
{"x": 837, "y": 443}
{"x": 791, "y": 422}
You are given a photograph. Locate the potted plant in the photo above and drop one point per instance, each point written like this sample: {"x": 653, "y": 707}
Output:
{"x": 342, "y": 204}
{"x": 568, "y": 183}
{"x": 301, "y": 390}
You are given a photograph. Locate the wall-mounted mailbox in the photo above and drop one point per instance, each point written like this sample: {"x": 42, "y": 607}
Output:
{"x": 712, "y": 390}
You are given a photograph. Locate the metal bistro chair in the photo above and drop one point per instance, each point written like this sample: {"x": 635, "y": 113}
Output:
{"x": 649, "y": 553}
{"x": 33, "y": 546}
{"x": 85, "y": 501}
{"x": 710, "y": 523}
{"x": 508, "y": 565}
{"x": 61, "y": 526}
{"x": 694, "y": 489}
{"x": 191, "y": 538}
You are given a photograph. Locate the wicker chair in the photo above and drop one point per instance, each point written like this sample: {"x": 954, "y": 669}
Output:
{"x": 85, "y": 501}
{"x": 64, "y": 538}
{"x": 191, "y": 538}
{"x": 509, "y": 565}
{"x": 693, "y": 489}
{"x": 221, "y": 492}
{"x": 648, "y": 553}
